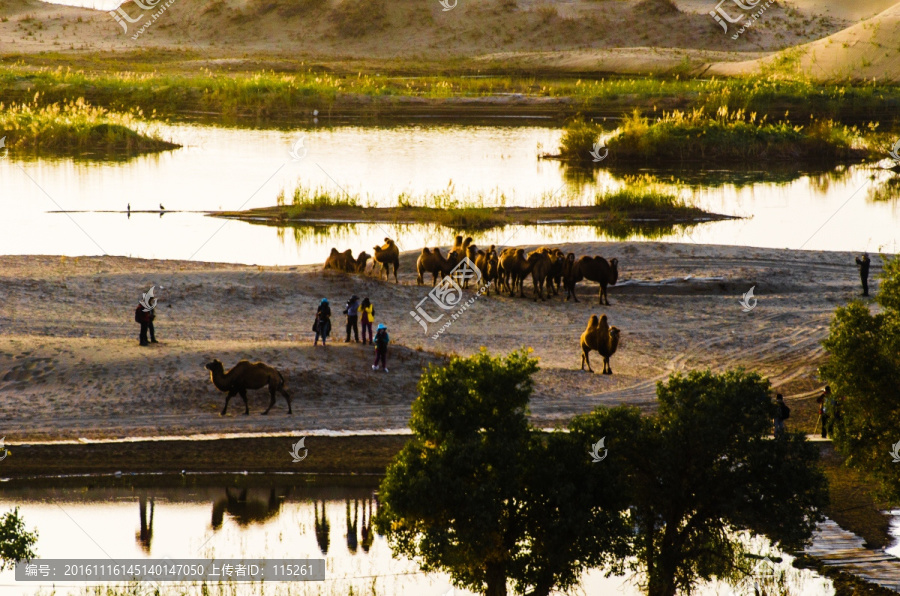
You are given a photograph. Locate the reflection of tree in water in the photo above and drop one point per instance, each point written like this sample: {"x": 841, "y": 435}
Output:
{"x": 352, "y": 526}
{"x": 246, "y": 511}
{"x": 366, "y": 533}
{"x": 885, "y": 190}
{"x": 323, "y": 528}
{"x": 144, "y": 535}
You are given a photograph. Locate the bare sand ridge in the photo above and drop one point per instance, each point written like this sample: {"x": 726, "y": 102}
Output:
{"x": 636, "y": 36}
{"x": 867, "y": 50}
{"x": 70, "y": 364}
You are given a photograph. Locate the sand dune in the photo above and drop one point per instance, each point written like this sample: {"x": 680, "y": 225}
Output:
{"x": 70, "y": 364}
{"x": 866, "y": 51}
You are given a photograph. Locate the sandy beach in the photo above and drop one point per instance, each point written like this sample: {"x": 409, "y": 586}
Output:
{"x": 71, "y": 366}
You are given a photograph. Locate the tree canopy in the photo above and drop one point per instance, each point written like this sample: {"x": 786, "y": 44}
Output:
{"x": 481, "y": 494}
{"x": 16, "y": 543}
{"x": 863, "y": 371}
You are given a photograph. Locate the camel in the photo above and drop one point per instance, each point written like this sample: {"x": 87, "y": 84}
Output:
{"x": 602, "y": 338}
{"x": 593, "y": 269}
{"x": 487, "y": 263}
{"x": 460, "y": 245}
{"x": 514, "y": 267}
{"x": 471, "y": 253}
{"x": 387, "y": 255}
{"x": 539, "y": 263}
{"x": 247, "y": 375}
{"x": 554, "y": 276}
{"x": 432, "y": 261}
{"x": 344, "y": 261}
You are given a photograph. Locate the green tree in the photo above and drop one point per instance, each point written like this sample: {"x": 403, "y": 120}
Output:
{"x": 702, "y": 470}
{"x": 16, "y": 543}
{"x": 484, "y": 496}
{"x": 863, "y": 371}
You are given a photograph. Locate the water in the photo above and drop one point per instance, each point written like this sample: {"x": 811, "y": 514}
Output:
{"x": 223, "y": 168}
{"x": 269, "y": 521}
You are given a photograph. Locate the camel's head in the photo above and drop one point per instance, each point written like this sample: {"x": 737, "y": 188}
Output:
{"x": 215, "y": 365}
{"x": 570, "y": 257}
{"x": 388, "y": 243}
{"x": 613, "y": 338}
{"x": 614, "y": 268}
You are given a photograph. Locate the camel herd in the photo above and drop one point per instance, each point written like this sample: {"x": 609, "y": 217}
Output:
{"x": 549, "y": 268}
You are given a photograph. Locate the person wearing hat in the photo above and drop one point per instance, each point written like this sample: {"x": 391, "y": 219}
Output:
{"x": 863, "y": 263}
{"x": 352, "y": 312}
{"x": 322, "y": 326}
{"x": 382, "y": 339}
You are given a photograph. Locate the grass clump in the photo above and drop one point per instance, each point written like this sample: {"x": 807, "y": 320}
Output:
{"x": 578, "y": 140}
{"x": 305, "y": 198}
{"x": 733, "y": 136}
{"x": 470, "y": 219}
{"x": 76, "y": 128}
{"x": 642, "y": 195}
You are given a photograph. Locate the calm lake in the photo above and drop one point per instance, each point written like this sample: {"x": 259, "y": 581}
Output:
{"x": 281, "y": 519}
{"x": 227, "y": 168}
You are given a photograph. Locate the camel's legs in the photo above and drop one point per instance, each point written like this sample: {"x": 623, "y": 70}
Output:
{"x": 586, "y": 358}
{"x": 287, "y": 398}
{"x": 607, "y": 369}
{"x": 227, "y": 399}
{"x": 243, "y": 393}
{"x": 396, "y": 266}
{"x": 272, "y": 400}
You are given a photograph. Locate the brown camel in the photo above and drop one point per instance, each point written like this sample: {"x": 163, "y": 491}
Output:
{"x": 432, "y": 261}
{"x": 487, "y": 263}
{"x": 602, "y": 338}
{"x": 540, "y": 264}
{"x": 247, "y": 375}
{"x": 514, "y": 268}
{"x": 554, "y": 276}
{"x": 597, "y": 269}
{"x": 460, "y": 245}
{"x": 387, "y": 255}
{"x": 344, "y": 261}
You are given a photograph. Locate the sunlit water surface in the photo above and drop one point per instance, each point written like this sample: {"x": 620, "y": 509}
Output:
{"x": 224, "y": 168}
{"x": 205, "y": 522}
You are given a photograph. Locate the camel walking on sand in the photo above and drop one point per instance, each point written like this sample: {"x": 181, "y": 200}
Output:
{"x": 247, "y": 375}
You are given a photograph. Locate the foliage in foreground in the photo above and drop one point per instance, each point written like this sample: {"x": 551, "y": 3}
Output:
{"x": 482, "y": 495}
{"x": 863, "y": 371}
{"x": 75, "y": 127}
{"x": 727, "y": 136}
{"x": 16, "y": 542}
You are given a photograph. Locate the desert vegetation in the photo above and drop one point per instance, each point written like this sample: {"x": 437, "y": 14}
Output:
{"x": 76, "y": 128}
{"x": 725, "y": 136}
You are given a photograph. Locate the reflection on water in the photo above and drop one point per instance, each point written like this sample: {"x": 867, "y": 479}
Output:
{"x": 230, "y": 169}
{"x": 271, "y": 519}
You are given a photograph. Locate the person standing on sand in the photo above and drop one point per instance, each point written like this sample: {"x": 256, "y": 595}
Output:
{"x": 825, "y": 403}
{"x": 781, "y": 414}
{"x": 352, "y": 312}
{"x": 142, "y": 316}
{"x": 367, "y": 314}
{"x": 382, "y": 339}
{"x": 322, "y": 325}
{"x": 863, "y": 263}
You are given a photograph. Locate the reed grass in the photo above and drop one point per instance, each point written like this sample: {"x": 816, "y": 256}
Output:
{"x": 727, "y": 136}
{"x": 75, "y": 128}
{"x": 643, "y": 194}
{"x": 159, "y": 84}
{"x": 305, "y": 198}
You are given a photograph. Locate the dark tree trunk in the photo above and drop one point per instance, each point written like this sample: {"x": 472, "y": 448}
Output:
{"x": 496, "y": 580}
